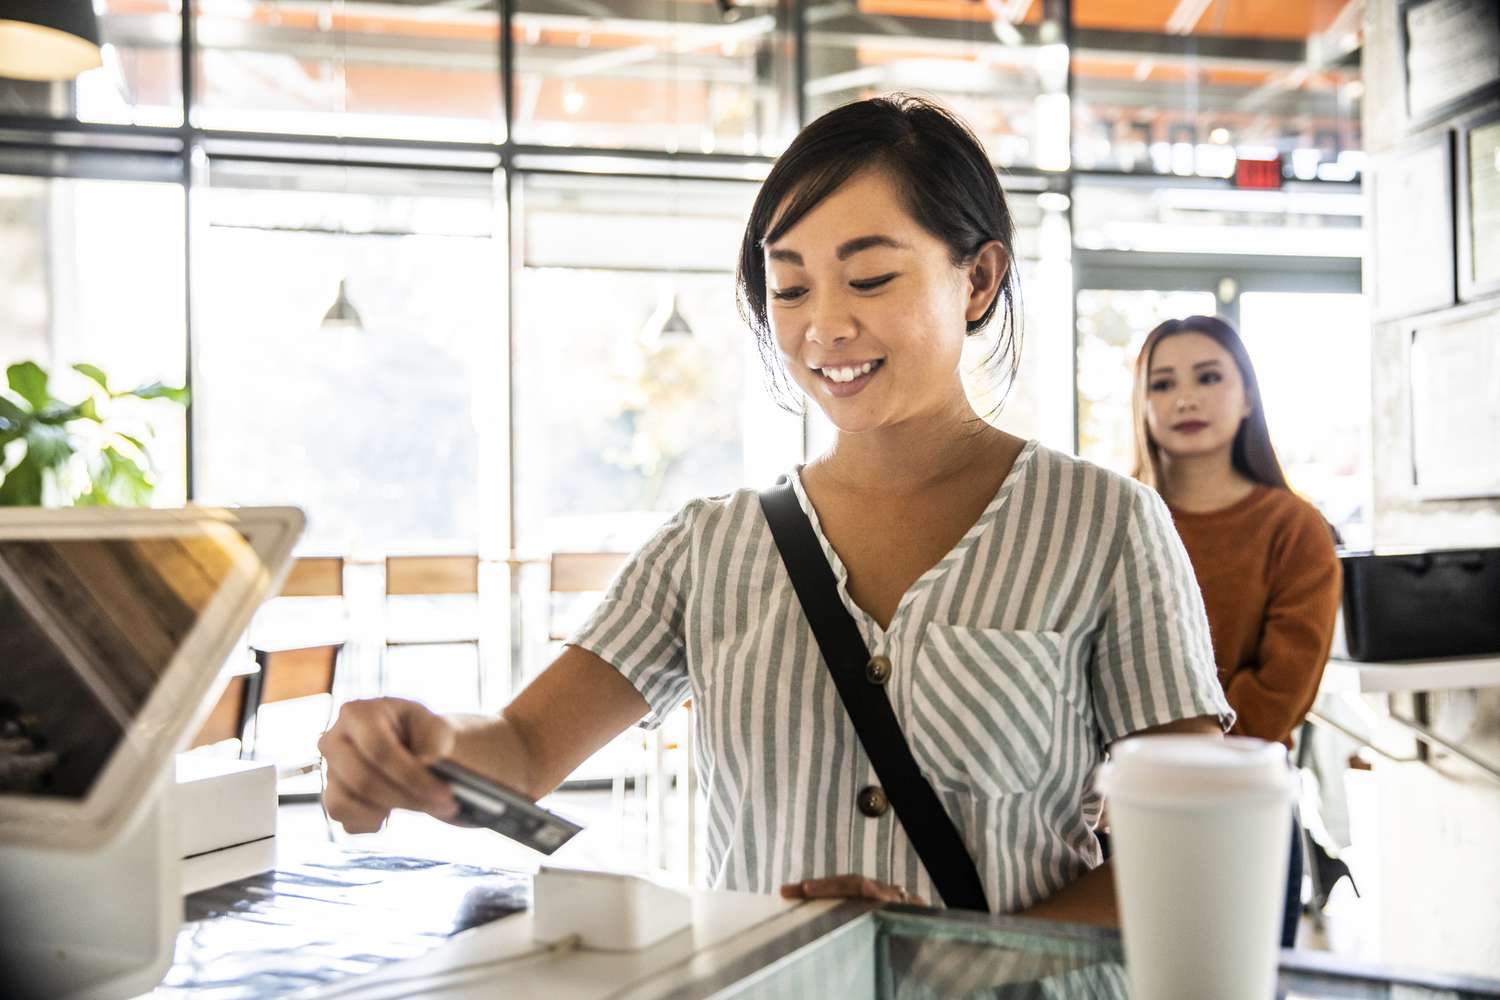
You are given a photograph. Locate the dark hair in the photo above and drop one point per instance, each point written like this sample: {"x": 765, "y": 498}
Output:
{"x": 947, "y": 185}
{"x": 1251, "y": 454}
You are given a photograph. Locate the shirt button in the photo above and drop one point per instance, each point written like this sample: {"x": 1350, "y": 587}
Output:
{"x": 872, "y": 801}
{"x": 878, "y": 670}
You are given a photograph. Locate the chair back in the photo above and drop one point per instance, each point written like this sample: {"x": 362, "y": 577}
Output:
{"x": 578, "y": 573}
{"x": 297, "y": 673}
{"x": 427, "y": 575}
{"x": 583, "y": 572}
{"x": 314, "y": 576}
{"x": 227, "y": 719}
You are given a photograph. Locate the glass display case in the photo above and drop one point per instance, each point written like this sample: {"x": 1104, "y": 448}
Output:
{"x": 904, "y": 953}
{"x": 337, "y": 922}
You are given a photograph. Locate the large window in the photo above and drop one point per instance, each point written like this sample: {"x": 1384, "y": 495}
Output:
{"x": 92, "y": 271}
{"x": 637, "y": 385}
{"x": 139, "y": 83}
{"x": 673, "y": 75}
{"x": 1187, "y": 89}
{"x": 1002, "y": 66}
{"x": 1312, "y": 355}
{"x": 398, "y": 70}
{"x": 377, "y": 428}
{"x": 461, "y": 273}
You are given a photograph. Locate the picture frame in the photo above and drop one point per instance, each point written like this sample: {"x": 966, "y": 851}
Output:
{"x": 1453, "y": 367}
{"x": 1450, "y": 53}
{"x": 1413, "y": 228}
{"x": 1478, "y": 194}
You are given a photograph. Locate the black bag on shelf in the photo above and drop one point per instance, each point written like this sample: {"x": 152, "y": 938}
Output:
{"x": 1416, "y": 605}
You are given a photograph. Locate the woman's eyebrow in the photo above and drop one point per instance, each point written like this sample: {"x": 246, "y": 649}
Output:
{"x": 849, "y": 248}
{"x": 845, "y": 250}
{"x": 1207, "y": 364}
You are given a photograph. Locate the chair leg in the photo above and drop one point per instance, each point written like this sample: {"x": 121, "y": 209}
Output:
{"x": 617, "y": 801}
{"x": 690, "y": 810}
{"x": 255, "y": 685}
{"x": 479, "y": 686}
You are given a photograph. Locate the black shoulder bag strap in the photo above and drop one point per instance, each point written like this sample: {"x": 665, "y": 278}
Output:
{"x": 917, "y": 806}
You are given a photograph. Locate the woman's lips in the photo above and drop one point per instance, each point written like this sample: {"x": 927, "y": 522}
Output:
{"x": 1190, "y": 426}
{"x": 842, "y": 390}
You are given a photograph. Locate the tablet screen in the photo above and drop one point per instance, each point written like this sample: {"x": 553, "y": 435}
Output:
{"x": 87, "y": 628}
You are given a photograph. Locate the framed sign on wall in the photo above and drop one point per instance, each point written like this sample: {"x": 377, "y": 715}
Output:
{"x": 1479, "y": 207}
{"x": 1455, "y": 406}
{"x": 1413, "y": 228}
{"x": 1451, "y": 51}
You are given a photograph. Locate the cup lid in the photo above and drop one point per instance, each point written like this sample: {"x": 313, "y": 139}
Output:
{"x": 1192, "y": 769}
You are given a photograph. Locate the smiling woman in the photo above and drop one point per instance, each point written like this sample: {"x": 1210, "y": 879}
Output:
{"x": 989, "y": 595}
{"x": 907, "y": 184}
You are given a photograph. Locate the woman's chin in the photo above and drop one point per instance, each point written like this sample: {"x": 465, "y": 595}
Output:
{"x": 1194, "y": 449}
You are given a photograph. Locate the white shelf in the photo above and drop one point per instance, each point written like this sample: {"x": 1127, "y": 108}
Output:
{"x": 1413, "y": 675}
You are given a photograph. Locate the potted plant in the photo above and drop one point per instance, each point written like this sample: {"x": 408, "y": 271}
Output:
{"x": 89, "y": 453}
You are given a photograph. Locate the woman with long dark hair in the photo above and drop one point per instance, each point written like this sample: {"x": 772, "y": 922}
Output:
{"x": 995, "y": 592}
{"x": 1263, "y": 556}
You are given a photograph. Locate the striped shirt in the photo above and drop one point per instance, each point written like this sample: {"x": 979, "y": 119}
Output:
{"x": 1066, "y": 618}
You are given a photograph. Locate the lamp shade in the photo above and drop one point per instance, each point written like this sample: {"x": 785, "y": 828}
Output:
{"x": 667, "y": 323}
{"x": 48, "y": 39}
{"x": 342, "y": 315}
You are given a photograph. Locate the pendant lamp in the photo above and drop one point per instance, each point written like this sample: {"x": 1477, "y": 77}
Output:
{"x": 48, "y": 39}
{"x": 342, "y": 315}
{"x": 667, "y": 323}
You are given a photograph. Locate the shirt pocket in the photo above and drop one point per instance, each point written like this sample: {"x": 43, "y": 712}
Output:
{"x": 984, "y": 707}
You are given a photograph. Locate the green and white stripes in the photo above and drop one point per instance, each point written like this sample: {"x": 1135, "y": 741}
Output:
{"x": 1066, "y": 618}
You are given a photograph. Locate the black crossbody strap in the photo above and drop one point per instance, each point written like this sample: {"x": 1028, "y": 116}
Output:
{"x": 927, "y": 824}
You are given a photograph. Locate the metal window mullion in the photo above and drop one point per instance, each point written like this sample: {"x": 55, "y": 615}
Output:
{"x": 1070, "y": 88}
{"x": 507, "y": 83}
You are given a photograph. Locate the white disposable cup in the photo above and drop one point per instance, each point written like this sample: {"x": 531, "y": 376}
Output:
{"x": 1201, "y": 828}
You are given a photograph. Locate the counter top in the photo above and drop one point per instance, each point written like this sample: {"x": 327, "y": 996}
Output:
{"x": 1412, "y": 675}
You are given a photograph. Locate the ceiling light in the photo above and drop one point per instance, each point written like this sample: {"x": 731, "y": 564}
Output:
{"x": 342, "y": 315}
{"x": 48, "y": 39}
{"x": 667, "y": 323}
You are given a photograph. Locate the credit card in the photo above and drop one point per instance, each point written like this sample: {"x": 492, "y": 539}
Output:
{"x": 486, "y": 803}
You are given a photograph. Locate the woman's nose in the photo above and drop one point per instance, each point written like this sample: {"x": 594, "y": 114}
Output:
{"x": 830, "y": 323}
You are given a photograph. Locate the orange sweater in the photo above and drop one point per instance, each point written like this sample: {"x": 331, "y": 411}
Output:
{"x": 1271, "y": 583}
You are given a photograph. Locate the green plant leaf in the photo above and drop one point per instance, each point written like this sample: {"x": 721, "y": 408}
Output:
{"x": 128, "y": 482}
{"x": 11, "y": 415}
{"x": 49, "y": 446}
{"x": 58, "y": 413}
{"x": 156, "y": 390}
{"x": 29, "y": 382}
{"x": 95, "y": 374}
{"x": 22, "y": 485}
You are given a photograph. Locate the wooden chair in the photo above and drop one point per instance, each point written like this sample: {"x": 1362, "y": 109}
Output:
{"x": 578, "y": 573}
{"x": 298, "y": 661}
{"x": 435, "y": 576}
{"x": 230, "y": 717}
{"x": 287, "y": 675}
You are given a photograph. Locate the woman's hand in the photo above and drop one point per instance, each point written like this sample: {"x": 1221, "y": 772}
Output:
{"x": 376, "y": 758}
{"x": 849, "y": 887}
